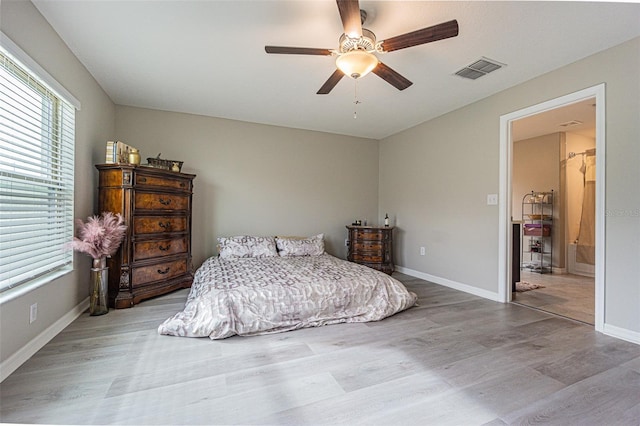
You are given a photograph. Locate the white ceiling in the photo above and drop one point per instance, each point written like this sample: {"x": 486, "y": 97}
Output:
{"x": 207, "y": 57}
{"x": 579, "y": 117}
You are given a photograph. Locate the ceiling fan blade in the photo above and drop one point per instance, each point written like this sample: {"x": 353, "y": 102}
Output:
{"x": 425, "y": 35}
{"x": 391, "y": 76}
{"x": 297, "y": 50}
{"x": 331, "y": 82}
{"x": 350, "y": 15}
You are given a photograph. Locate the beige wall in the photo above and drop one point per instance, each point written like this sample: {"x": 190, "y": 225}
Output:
{"x": 57, "y": 301}
{"x": 435, "y": 178}
{"x": 536, "y": 167}
{"x": 261, "y": 180}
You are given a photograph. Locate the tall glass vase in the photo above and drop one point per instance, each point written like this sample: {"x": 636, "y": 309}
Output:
{"x": 99, "y": 287}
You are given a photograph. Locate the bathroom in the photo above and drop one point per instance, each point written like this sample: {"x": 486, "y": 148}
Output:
{"x": 555, "y": 151}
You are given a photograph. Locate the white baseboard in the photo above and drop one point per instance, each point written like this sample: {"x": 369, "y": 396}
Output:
{"x": 12, "y": 363}
{"x": 609, "y": 330}
{"x": 622, "y": 333}
{"x": 451, "y": 284}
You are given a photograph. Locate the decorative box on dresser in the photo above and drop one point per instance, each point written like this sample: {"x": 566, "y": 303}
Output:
{"x": 155, "y": 256}
{"x": 371, "y": 246}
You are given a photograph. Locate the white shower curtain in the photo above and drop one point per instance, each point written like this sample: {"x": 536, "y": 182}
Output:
{"x": 586, "y": 248}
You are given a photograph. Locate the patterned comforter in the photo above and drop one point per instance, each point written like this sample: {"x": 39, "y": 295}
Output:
{"x": 250, "y": 296}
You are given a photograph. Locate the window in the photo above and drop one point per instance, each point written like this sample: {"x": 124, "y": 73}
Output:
{"x": 37, "y": 128}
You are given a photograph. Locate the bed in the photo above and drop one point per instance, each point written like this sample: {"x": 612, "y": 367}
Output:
{"x": 261, "y": 285}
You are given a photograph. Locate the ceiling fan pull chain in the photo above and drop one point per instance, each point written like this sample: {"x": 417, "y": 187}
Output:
{"x": 355, "y": 99}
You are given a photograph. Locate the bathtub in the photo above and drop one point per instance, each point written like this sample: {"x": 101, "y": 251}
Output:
{"x": 577, "y": 268}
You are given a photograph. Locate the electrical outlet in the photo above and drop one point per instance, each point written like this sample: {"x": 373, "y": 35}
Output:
{"x": 33, "y": 313}
{"x": 422, "y": 251}
{"x": 492, "y": 199}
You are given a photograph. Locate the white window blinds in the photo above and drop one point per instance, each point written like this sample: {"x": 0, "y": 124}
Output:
{"x": 36, "y": 175}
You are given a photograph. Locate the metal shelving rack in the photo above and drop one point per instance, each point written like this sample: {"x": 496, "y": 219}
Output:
{"x": 537, "y": 232}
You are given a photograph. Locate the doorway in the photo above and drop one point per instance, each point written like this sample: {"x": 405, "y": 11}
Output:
{"x": 554, "y": 153}
{"x": 595, "y": 95}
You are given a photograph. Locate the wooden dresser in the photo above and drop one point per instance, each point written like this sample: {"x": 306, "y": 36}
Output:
{"x": 371, "y": 246}
{"x": 155, "y": 256}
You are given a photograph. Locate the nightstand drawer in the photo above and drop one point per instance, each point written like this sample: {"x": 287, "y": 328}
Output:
{"x": 158, "y": 248}
{"x": 368, "y": 246}
{"x": 371, "y": 235}
{"x": 160, "y": 271}
{"x": 156, "y": 201}
{"x": 159, "y": 224}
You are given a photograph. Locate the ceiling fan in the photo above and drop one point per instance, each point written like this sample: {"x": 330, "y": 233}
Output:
{"x": 357, "y": 47}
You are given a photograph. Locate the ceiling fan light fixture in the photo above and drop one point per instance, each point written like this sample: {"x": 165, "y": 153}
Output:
{"x": 358, "y": 47}
{"x": 356, "y": 63}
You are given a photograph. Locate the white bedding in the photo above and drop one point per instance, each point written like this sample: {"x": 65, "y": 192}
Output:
{"x": 250, "y": 296}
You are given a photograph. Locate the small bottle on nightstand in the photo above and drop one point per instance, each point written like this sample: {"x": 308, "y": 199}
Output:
{"x": 386, "y": 219}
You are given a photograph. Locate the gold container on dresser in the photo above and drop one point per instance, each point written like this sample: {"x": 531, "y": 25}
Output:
{"x": 371, "y": 246}
{"x": 155, "y": 256}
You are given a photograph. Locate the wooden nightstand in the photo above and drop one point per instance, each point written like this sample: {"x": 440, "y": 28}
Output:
{"x": 371, "y": 246}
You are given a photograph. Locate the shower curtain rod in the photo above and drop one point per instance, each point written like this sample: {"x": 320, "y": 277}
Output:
{"x": 588, "y": 151}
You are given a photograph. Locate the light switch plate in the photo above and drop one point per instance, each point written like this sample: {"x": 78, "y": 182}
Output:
{"x": 492, "y": 199}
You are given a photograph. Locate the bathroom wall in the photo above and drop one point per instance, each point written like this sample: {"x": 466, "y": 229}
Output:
{"x": 536, "y": 167}
{"x": 541, "y": 164}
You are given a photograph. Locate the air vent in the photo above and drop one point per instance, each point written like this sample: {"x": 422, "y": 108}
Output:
{"x": 570, "y": 123}
{"x": 482, "y": 66}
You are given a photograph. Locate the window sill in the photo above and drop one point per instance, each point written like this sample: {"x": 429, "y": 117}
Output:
{"x": 21, "y": 290}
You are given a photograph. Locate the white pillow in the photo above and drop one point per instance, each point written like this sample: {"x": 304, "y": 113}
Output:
{"x": 247, "y": 246}
{"x": 296, "y": 246}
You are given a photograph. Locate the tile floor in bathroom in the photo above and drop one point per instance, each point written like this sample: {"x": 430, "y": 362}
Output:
{"x": 568, "y": 295}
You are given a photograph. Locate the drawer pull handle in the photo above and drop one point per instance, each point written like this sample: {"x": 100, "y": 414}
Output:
{"x": 142, "y": 180}
{"x": 164, "y": 271}
{"x": 165, "y": 202}
{"x": 165, "y": 225}
{"x": 182, "y": 185}
{"x": 164, "y": 248}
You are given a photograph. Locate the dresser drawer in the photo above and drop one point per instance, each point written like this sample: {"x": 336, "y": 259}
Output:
{"x": 158, "y": 248}
{"x": 155, "y": 201}
{"x": 367, "y": 258}
{"x": 160, "y": 271}
{"x": 144, "y": 180}
{"x": 159, "y": 224}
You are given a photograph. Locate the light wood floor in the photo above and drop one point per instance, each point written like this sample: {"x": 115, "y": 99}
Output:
{"x": 455, "y": 359}
{"x": 572, "y": 296}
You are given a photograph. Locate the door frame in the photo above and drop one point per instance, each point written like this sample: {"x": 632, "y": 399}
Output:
{"x": 505, "y": 199}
